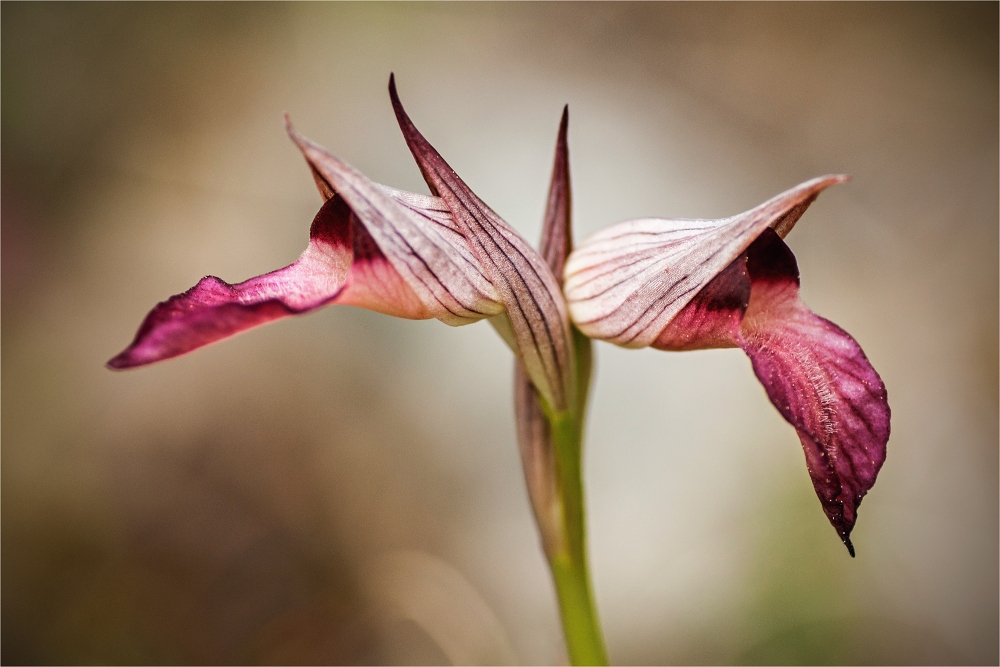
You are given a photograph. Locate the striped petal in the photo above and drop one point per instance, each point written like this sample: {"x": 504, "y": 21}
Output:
{"x": 535, "y": 319}
{"x": 626, "y": 283}
{"x": 534, "y": 431}
{"x": 416, "y": 234}
{"x": 814, "y": 373}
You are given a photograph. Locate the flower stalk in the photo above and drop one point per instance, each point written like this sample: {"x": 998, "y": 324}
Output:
{"x": 569, "y": 565}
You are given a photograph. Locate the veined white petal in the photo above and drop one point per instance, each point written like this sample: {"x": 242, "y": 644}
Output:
{"x": 414, "y": 235}
{"x": 626, "y": 283}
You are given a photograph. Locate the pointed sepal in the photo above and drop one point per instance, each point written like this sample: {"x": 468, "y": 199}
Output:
{"x": 523, "y": 281}
{"x": 534, "y": 429}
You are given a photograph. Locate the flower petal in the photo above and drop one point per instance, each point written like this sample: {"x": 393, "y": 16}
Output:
{"x": 815, "y": 374}
{"x": 557, "y": 228}
{"x": 214, "y": 309}
{"x": 626, "y": 283}
{"x": 394, "y": 252}
{"x": 665, "y": 283}
{"x": 534, "y": 432}
{"x": 820, "y": 381}
{"x": 523, "y": 282}
{"x": 414, "y": 233}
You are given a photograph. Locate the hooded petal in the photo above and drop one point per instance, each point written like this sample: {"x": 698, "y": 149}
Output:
{"x": 523, "y": 281}
{"x": 416, "y": 234}
{"x": 814, "y": 373}
{"x": 626, "y": 283}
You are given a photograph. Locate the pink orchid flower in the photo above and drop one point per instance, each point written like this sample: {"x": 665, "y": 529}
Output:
{"x": 698, "y": 284}
{"x": 447, "y": 256}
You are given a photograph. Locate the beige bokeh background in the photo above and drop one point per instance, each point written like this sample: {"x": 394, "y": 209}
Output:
{"x": 344, "y": 487}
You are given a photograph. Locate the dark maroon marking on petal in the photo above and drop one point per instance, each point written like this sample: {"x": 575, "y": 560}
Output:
{"x": 374, "y": 284}
{"x": 214, "y": 309}
{"x": 712, "y": 318}
{"x": 663, "y": 302}
{"x": 820, "y": 381}
{"x": 769, "y": 259}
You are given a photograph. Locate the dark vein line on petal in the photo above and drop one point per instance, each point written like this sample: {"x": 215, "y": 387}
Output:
{"x": 553, "y": 349}
{"x": 403, "y": 240}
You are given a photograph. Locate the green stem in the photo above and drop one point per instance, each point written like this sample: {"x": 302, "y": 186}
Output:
{"x": 581, "y": 626}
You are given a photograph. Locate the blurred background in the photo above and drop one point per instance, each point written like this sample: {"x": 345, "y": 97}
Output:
{"x": 345, "y": 487}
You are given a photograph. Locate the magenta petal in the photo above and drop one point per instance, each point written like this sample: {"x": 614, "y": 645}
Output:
{"x": 214, "y": 309}
{"x": 820, "y": 381}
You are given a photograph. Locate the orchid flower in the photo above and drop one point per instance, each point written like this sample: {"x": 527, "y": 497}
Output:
{"x": 447, "y": 256}
{"x": 698, "y": 284}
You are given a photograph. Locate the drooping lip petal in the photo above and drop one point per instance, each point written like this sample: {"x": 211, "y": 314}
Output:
{"x": 524, "y": 283}
{"x": 821, "y": 382}
{"x": 814, "y": 373}
{"x": 214, "y": 309}
{"x": 626, "y": 283}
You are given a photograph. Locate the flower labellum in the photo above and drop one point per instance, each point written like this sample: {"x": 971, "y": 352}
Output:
{"x": 699, "y": 284}
{"x": 393, "y": 252}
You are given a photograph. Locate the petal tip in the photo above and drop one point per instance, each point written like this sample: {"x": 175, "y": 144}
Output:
{"x": 118, "y": 363}
{"x": 561, "y": 141}
{"x": 850, "y": 547}
{"x": 393, "y": 95}
{"x": 294, "y": 135}
{"x": 130, "y": 358}
{"x": 823, "y": 182}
